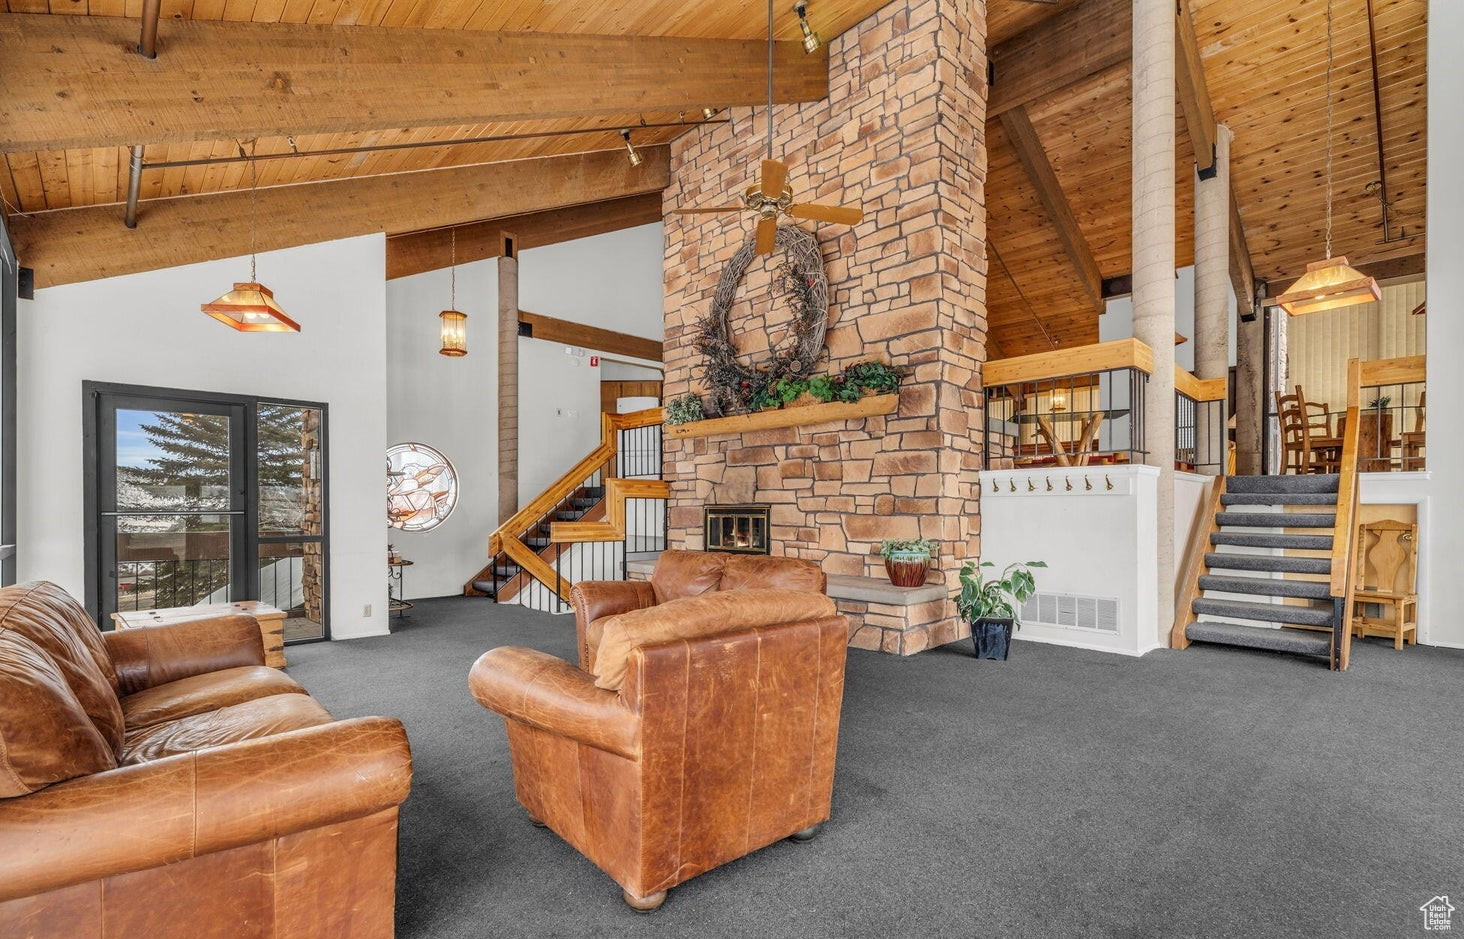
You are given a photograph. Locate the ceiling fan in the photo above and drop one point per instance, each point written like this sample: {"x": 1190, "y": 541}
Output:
{"x": 772, "y": 196}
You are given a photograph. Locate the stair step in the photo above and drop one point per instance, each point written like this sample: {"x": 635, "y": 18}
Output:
{"x": 1279, "y": 498}
{"x": 538, "y": 544}
{"x": 584, "y": 503}
{"x": 593, "y": 492}
{"x": 1265, "y": 612}
{"x": 1242, "y": 539}
{"x": 486, "y": 586}
{"x": 504, "y": 572}
{"x": 1301, "y": 641}
{"x": 1274, "y": 520}
{"x": 1270, "y": 563}
{"x": 568, "y": 515}
{"x": 1267, "y": 587}
{"x": 1311, "y": 483}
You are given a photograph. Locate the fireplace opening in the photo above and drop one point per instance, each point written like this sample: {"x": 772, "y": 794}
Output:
{"x": 737, "y": 529}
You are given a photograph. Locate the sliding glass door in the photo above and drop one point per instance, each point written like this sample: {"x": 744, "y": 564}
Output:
{"x": 202, "y": 498}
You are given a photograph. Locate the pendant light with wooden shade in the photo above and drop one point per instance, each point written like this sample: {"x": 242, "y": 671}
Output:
{"x": 454, "y": 323}
{"x": 1332, "y": 283}
{"x": 250, "y": 307}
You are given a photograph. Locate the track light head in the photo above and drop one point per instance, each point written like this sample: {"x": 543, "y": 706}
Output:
{"x": 709, "y": 113}
{"x": 810, "y": 38}
{"x": 631, "y": 154}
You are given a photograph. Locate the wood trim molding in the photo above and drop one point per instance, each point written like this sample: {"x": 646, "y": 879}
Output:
{"x": 1200, "y": 389}
{"x": 549, "y": 329}
{"x": 75, "y": 81}
{"x": 1062, "y": 363}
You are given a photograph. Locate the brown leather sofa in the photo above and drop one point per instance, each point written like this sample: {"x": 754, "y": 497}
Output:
{"x": 701, "y": 726}
{"x": 162, "y": 783}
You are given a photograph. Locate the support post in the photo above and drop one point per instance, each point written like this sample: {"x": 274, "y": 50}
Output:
{"x": 1154, "y": 116}
{"x": 508, "y": 383}
{"x": 1212, "y": 301}
{"x": 1250, "y": 402}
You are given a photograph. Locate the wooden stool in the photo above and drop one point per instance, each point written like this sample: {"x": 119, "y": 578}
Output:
{"x": 1387, "y": 568}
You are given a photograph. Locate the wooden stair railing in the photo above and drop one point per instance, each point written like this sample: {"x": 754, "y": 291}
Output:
{"x": 1344, "y": 531}
{"x": 507, "y": 539}
{"x": 1194, "y": 567}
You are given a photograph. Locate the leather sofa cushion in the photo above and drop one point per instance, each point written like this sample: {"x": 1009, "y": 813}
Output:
{"x": 48, "y": 616}
{"x": 46, "y": 736}
{"x": 752, "y": 571}
{"x": 207, "y": 692}
{"x": 681, "y": 574}
{"x": 250, "y": 720}
{"x": 711, "y": 614}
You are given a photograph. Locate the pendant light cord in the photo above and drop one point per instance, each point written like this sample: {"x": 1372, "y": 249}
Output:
{"x": 1329, "y": 129}
{"x": 770, "y": 79}
{"x": 452, "y": 302}
{"x": 253, "y": 211}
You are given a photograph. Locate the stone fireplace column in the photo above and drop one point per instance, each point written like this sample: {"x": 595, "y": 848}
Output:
{"x": 1154, "y": 259}
{"x": 1212, "y": 295}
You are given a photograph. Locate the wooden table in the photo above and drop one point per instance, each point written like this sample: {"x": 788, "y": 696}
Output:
{"x": 1090, "y": 422}
{"x": 271, "y": 622}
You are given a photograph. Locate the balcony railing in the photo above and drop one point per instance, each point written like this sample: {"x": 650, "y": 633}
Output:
{"x": 1201, "y": 437}
{"x": 1392, "y": 416}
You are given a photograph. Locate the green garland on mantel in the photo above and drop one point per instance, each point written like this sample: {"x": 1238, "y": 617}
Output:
{"x": 854, "y": 382}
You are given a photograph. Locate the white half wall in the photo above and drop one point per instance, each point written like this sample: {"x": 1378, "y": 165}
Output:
{"x": 146, "y": 329}
{"x": 1445, "y": 279}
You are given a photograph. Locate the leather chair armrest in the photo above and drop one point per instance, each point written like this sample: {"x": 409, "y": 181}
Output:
{"x": 593, "y": 599}
{"x": 154, "y": 655}
{"x": 142, "y": 816}
{"x": 546, "y": 692}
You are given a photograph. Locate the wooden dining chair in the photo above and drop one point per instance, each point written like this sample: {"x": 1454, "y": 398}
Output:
{"x": 1387, "y": 573}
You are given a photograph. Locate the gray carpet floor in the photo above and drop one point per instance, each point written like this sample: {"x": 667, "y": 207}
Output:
{"x": 1212, "y": 792}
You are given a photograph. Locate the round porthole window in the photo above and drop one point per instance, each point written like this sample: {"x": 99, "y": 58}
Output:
{"x": 421, "y": 487}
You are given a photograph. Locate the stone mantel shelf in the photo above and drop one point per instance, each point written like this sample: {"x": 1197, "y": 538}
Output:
{"x": 841, "y": 586}
{"x": 789, "y": 417}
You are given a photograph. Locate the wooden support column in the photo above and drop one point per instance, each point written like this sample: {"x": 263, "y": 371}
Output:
{"x": 1212, "y": 298}
{"x": 1154, "y": 116}
{"x": 1249, "y": 398}
{"x": 508, "y": 383}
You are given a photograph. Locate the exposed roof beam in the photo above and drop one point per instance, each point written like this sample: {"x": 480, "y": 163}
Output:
{"x": 417, "y": 252}
{"x": 73, "y": 245}
{"x": 74, "y": 81}
{"x": 1028, "y": 147}
{"x": 1194, "y": 92}
{"x": 538, "y": 326}
{"x": 1059, "y": 51}
{"x": 1242, "y": 271}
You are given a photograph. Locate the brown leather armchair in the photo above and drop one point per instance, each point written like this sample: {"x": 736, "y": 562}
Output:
{"x": 162, "y": 782}
{"x": 704, "y": 729}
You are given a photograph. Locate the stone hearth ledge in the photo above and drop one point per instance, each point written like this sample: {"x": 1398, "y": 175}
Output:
{"x": 882, "y": 617}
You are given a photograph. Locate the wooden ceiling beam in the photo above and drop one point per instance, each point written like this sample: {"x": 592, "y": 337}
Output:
{"x": 75, "y": 81}
{"x": 1058, "y": 52}
{"x": 73, "y": 245}
{"x": 1194, "y": 92}
{"x": 1028, "y": 147}
{"x": 418, "y": 252}
{"x": 549, "y": 329}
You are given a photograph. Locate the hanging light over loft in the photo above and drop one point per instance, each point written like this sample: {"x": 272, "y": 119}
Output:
{"x": 635, "y": 158}
{"x": 453, "y": 323}
{"x": 1331, "y": 283}
{"x": 810, "y": 38}
{"x": 250, "y": 307}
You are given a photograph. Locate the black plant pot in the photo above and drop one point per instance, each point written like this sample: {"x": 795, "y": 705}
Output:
{"x": 991, "y": 638}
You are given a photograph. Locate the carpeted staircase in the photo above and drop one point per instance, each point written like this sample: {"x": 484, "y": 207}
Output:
{"x": 1250, "y": 564}
{"x": 503, "y": 573}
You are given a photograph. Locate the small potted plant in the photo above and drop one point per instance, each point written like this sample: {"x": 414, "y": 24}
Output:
{"x": 992, "y": 605}
{"x": 907, "y": 560}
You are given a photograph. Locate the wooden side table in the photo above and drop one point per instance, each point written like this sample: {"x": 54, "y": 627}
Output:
{"x": 271, "y": 622}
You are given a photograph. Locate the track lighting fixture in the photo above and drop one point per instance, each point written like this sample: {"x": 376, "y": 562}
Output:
{"x": 709, "y": 113}
{"x": 635, "y": 158}
{"x": 810, "y": 38}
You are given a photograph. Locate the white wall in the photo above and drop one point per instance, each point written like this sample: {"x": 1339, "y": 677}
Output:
{"x": 1445, "y": 324}
{"x": 1117, "y": 321}
{"x": 1097, "y": 542}
{"x": 613, "y": 281}
{"x": 146, "y": 329}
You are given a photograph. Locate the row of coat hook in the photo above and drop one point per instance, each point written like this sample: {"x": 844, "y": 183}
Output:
{"x": 1067, "y": 484}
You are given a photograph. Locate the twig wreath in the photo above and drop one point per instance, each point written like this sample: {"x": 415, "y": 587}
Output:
{"x": 732, "y": 384}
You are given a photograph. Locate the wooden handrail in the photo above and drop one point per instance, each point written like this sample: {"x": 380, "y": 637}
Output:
{"x": 1064, "y": 363}
{"x": 1402, "y": 370}
{"x": 561, "y": 488}
{"x": 613, "y": 527}
{"x": 1200, "y": 389}
{"x": 1206, "y": 524}
{"x": 1343, "y": 530}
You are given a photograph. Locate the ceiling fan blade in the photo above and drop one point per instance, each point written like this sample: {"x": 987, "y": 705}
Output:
{"x": 843, "y": 215}
{"x": 712, "y": 208}
{"x": 767, "y": 235}
{"x": 774, "y": 176}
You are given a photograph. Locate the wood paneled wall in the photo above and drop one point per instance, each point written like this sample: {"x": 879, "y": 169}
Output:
{"x": 1319, "y": 345}
{"x": 613, "y": 391}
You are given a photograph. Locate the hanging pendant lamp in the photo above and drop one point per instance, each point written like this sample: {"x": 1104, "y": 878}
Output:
{"x": 1331, "y": 283}
{"x": 454, "y": 323}
{"x": 250, "y": 307}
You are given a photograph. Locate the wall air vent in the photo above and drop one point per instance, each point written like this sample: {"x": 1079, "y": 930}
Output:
{"x": 1095, "y": 614}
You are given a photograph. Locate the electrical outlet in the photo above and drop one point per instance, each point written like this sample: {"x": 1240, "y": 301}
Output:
{"x": 366, "y": 611}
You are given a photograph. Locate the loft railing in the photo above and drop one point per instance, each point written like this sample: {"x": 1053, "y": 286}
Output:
{"x": 1201, "y": 438}
{"x": 1068, "y": 407}
{"x": 1392, "y": 408}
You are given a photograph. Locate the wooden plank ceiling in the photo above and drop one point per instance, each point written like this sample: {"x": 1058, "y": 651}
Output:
{"x": 1264, "y": 64}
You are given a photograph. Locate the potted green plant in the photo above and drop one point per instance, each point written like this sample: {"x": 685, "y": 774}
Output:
{"x": 992, "y": 604}
{"x": 907, "y": 560}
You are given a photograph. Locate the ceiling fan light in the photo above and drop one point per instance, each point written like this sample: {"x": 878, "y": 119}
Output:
{"x": 811, "y": 41}
{"x": 1329, "y": 285}
{"x": 251, "y": 308}
{"x": 631, "y": 154}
